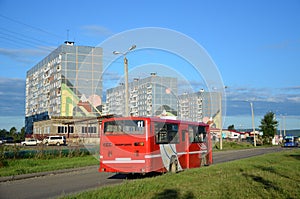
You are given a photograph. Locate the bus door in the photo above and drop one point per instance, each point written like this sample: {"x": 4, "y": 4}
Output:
{"x": 186, "y": 142}
{"x": 197, "y": 146}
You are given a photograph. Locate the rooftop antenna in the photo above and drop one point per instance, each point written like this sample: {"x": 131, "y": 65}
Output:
{"x": 68, "y": 34}
{"x": 67, "y": 42}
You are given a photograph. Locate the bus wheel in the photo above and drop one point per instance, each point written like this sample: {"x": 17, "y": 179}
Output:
{"x": 173, "y": 166}
{"x": 203, "y": 161}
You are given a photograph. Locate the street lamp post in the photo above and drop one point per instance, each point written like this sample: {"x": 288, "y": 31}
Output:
{"x": 126, "y": 77}
{"x": 253, "y": 127}
{"x": 221, "y": 122}
{"x": 221, "y": 125}
{"x": 284, "y": 125}
{"x": 219, "y": 96}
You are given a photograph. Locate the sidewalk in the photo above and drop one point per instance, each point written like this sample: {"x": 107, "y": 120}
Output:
{"x": 46, "y": 173}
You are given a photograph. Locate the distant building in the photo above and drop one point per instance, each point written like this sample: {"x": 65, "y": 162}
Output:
{"x": 199, "y": 106}
{"x": 67, "y": 83}
{"x": 150, "y": 96}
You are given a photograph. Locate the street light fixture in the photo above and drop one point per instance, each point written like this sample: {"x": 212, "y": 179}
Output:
{"x": 126, "y": 77}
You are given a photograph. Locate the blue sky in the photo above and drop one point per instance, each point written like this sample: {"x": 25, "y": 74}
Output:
{"x": 255, "y": 44}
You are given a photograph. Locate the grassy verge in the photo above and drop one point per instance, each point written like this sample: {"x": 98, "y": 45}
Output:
{"x": 233, "y": 145}
{"x": 33, "y": 165}
{"x": 274, "y": 175}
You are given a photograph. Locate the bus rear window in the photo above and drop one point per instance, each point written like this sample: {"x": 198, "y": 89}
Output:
{"x": 124, "y": 127}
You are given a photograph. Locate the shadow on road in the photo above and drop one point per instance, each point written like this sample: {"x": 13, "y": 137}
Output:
{"x": 134, "y": 175}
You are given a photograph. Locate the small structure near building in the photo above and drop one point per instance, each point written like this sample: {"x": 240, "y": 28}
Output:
{"x": 77, "y": 130}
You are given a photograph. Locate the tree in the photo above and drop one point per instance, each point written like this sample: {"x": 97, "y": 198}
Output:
{"x": 268, "y": 126}
{"x": 3, "y": 133}
{"x": 12, "y": 131}
{"x": 231, "y": 127}
{"x": 22, "y": 134}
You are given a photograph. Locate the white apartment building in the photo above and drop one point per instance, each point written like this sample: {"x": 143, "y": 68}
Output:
{"x": 67, "y": 83}
{"x": 198, "y": 106}
{"x": 150, "y": 96}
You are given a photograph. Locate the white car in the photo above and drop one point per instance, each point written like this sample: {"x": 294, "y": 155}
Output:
{"x": 31, "y": 142}
{"x": 55, "y": 140}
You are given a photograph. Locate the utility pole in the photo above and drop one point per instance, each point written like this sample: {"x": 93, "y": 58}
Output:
{"x": 221, "y": 136}
{"x": 253, "y": 126}
{"x": 284, "y": 126}
{"x": 126, "y": 86}
{"x": 126, "y": 77}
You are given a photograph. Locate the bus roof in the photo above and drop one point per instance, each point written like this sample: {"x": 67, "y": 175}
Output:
{"x": 157, "y": 119}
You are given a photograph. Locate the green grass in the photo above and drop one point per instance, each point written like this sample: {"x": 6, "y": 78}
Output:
{"x": 275, "y": 175}
{"x": 32, "y": 165}
{"x": 233, "y": 145}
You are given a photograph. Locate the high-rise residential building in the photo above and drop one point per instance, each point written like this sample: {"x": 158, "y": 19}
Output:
{"x": 198, "y": 106}
{"x": 149, "y": 96}
{"x": 66, "y": 83}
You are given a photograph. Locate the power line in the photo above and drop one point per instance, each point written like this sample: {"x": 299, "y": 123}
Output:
{"x": 25, "y": 42}
{"x": 30, "y": 26}
{"x": 38, "y": 41}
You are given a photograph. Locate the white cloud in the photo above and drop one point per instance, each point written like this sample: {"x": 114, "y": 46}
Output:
{"x": 261, "y": 94}
{"x": 25, "y": 55}
{"x": 294, "y": 99}
{"x": 278, "y": 100}
{"x": 12, "y": 96}
{"x": 96, "y": 30}
{"x": 111, "y": 76}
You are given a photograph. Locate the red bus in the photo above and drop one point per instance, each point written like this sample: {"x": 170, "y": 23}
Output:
{"x": 149, "y": 144}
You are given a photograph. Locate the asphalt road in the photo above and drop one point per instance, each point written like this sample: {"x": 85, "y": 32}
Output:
{"x": 51, "y": 185}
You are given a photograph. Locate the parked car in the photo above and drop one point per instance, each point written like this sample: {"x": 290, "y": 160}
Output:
{"x": 55, "y": 140}
{"x": 31, "y": 142}
{"x": 9, "y": 140}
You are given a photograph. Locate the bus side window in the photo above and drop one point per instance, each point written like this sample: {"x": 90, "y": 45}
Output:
{"x": 200, "y": 137}
{"x": 197, "y": 134}
{"x": 191, "y": 134}
{"x": 166, "y": 133}
{"x": 161, "y": 137}
{"x": 201, "y": 134}
{"x": 173, "y": 137}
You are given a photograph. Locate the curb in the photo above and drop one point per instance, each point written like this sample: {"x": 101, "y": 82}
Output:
{"x": 46, "y": 173}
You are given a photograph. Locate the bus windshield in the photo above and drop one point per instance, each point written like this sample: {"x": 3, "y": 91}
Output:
{"x": 288, "y": 139}
{"x": 117, "y": 127}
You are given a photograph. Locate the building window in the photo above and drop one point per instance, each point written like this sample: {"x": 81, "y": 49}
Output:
{"x": 65, "y": 129}
{"x": 88, "y": 129}
{"x": 71, "y": 129}
{"x": 60, "y": 129}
